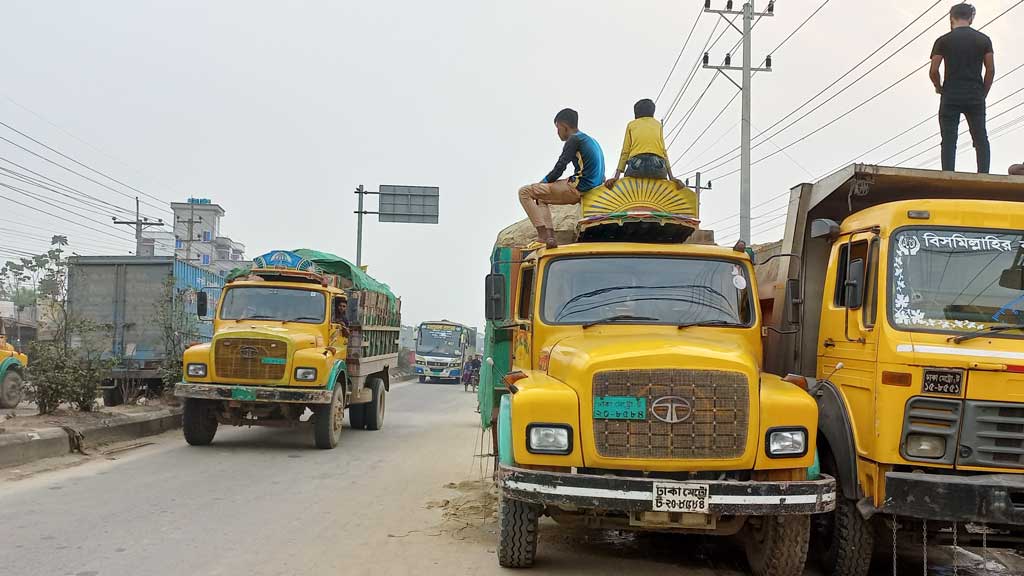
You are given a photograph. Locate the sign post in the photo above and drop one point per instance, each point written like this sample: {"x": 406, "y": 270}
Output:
{"x": 401, "y": 204}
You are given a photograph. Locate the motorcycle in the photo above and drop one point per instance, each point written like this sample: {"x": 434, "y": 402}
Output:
{"x": 471, "y": 379}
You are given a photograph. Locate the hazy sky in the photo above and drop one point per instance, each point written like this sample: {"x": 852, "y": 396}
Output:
{"x": 278, "y": 110}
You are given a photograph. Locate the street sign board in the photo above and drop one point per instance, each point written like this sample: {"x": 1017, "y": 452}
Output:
{"x": 408, "y": 204}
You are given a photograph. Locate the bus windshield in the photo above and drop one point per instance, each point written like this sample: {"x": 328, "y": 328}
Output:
{"x": 651, "y": 290}
{"x": 439, "y": 340}
{"x": 282, "y": 304}
{"x": 956, "y": 280}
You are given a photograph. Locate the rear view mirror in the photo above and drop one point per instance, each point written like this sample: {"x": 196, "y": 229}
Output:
{"x": 202, "y": 304}
{"x": 794, "y": 299}
{"x": 855, "y": 284}
{"x": 1012, "y": 278}
{"x": 824, "y": 228}
{"x": 494, "y": 297}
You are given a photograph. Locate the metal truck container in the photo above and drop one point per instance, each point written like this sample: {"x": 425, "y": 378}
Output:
{"x": 121, "y": 297}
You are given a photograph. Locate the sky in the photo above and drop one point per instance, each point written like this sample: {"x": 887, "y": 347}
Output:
{"x": 279, "y": 110}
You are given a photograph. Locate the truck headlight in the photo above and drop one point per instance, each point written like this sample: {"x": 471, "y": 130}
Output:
{"x": 925, "y": 446}
{"x": 786, "y": 442}
{"x": 549, "y": 439}
{"x": 197, "y": 370}
{"x": 305, "y": 374}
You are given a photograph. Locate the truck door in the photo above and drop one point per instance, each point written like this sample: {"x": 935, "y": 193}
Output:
{"x": 522, "y": 350}
{"x": 847, "y": 331}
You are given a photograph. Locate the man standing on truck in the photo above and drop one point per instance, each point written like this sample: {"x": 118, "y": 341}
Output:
{"x": 587, "y": 158}
{"x": 964, "y": 50}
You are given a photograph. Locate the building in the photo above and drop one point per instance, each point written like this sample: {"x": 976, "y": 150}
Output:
{"x": 197, "y": 238}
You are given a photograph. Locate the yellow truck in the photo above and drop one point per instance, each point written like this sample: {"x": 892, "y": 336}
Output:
{"x": 299, "y": 330}
{"x": 12, "y": 373}
{"x": 910, "y": 336}
{"x": 624, "y": 378}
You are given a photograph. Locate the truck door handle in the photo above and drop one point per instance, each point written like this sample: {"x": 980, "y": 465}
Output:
{"x": 829, "y": 343}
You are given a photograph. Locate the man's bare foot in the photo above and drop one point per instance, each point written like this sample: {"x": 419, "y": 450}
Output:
{"x": 547, "y": 236}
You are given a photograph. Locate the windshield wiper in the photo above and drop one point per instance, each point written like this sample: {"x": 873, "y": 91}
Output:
{"x": 297, "y": 318}
{"x": 711, "y": 323}
{"x": 984, "y": 332}
{"x": 255, "y": 317}
{"x": 619, "y": 318}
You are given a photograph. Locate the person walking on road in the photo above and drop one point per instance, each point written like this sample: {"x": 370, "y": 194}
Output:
{"x": 964, "y": 51}
{"x": 588, "y": 160}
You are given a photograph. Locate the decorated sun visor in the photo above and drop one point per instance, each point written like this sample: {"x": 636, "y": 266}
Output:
{"x": 284, "y": 259}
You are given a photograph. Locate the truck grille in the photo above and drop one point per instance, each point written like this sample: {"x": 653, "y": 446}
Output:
{"x": 250, "y": 358}
{"x": 994, "y": 433}
{"x": 716, "y": 426}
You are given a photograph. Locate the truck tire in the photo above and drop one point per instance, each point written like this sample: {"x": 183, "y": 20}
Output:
{"x": 777, "y": 545}
{"x": 198, "y": 422}
{"x": 327, "y": 421}
{"x": 11, "y": 389}
{"x": 113, "y": 396}
{"x": 373, "y": 411}
{"x": 357, "y": 416}
{"x": 847, "y": 540}
{"x": 517, "y": 543}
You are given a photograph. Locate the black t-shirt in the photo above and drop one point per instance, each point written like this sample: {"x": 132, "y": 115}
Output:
{"x": 963, "y": 50}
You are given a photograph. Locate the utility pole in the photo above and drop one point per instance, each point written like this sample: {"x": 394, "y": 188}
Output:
{"x": 139, "y": 223}
{"x": 698, "y": 189}
{"x": 359, "y": 226}
{"x": 191, "y": 234}
{"x": 402, "y": 204}
{"x": 747, "y": 69}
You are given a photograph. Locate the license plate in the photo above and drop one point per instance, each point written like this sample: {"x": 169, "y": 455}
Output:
{"x": 943, "y": 382}
{"x": 243, "y": 394}
{"x": 620, "y": 408}
{"x": 676, "y": 497}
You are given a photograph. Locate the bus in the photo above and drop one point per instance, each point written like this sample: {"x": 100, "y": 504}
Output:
{"x": 442, "y": 349}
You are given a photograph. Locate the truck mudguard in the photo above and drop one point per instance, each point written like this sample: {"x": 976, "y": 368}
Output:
{"x": 834, "y": 424}
{"x": 336, "y": 370}
{"x": 7, "y": 364}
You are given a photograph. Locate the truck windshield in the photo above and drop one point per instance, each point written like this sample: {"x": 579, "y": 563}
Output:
{"x": 282, "y": 304}
{"x": 652, "y": 290}
{"x": 439, "y": 340}
{"x": 956, "y": 280}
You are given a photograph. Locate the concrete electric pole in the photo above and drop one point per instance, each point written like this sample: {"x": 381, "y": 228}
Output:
{"x": 192, "y": 220}
{"x": 748, "y": 14}
{"x": 139, "y": 223}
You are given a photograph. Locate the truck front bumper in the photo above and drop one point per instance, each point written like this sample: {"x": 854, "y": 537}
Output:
{"x": 989, "y": 498}
{"x": 253, "y": 393}
{"x": 626, "y": 494}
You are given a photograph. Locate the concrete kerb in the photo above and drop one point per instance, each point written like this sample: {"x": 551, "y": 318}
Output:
{"x": 19, "y": 448}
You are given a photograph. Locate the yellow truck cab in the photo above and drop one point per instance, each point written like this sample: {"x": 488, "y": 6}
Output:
{"x": 911, "y": 334}
{"x": 636, "y": 397}
{"x": 300, "y": 330}
{"x": 12, "y": 373}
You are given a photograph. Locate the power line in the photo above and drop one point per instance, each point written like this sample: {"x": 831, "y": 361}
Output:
{"x": 700, "y": 12}
{"x": 964, "y": 132}
{"x": 763, "y": 62}
{"x": 14, "y": 224}
{"x": 693, "y": 71}
{"x": 91, "y": 207}
{"x": 65, "y": 156}
{"x": 859, "y": 106}
{"x": 837, "y": 81}
{"x": 61, "y": 185}
{"x": 75, "y": 172}
{"x": 30, "y": 207}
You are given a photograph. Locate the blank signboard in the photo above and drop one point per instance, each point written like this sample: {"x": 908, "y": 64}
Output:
{"x": 411, "y": 204}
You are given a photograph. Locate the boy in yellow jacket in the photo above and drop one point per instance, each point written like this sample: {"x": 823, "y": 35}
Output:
{"x": 643, "y": 149}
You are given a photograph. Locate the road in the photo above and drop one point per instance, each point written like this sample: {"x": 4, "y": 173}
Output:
{"x": 404, "y": 500}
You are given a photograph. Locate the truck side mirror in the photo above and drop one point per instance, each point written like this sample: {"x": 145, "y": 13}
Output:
{"x": 824, "y": 228}
{"x": 855, "y": 284}
{"x": 794, "y": 299}
{"x": 1012, "y": 278}
{"x": 202, "y": 304}
{"x": 494, "y": 297}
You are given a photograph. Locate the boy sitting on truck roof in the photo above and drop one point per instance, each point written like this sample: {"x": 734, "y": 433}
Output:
{"x": 588, "y": 160}
{"x": 643, "y": 148}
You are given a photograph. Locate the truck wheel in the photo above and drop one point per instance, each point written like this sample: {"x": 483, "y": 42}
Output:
{"x": 199, "y": 421}
{"x": 517, "y": 545}
{"x": 328, "y": 419}
{"x": 423, "y": 379}
{"x": 11, "y": 390}
{"x": 777, "y": 545}
{"x": 357, "y": 416}
{"x": 113, "y": 396}
{"x": 374, "y": 410}
{"x": 847, "y": 539}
